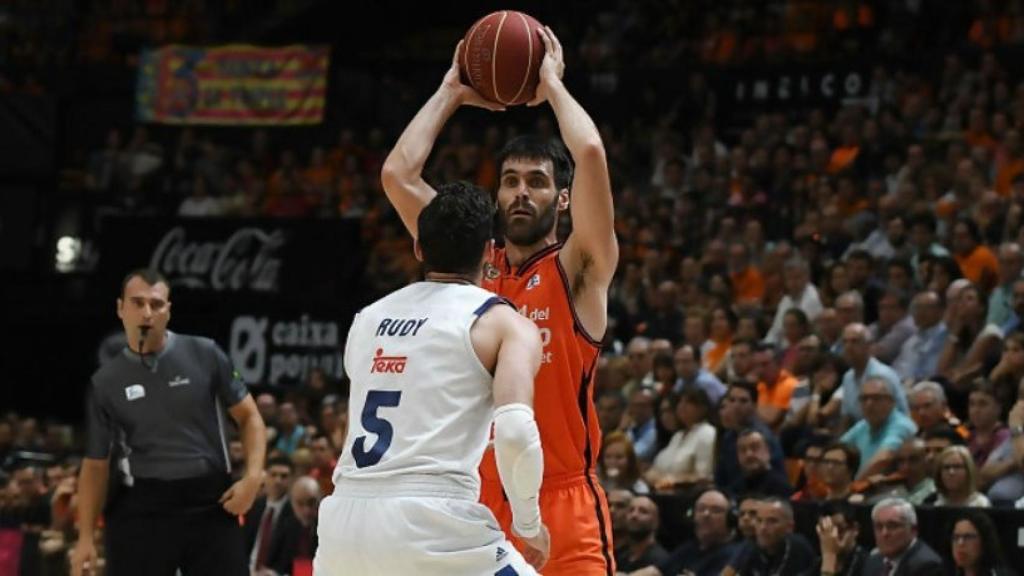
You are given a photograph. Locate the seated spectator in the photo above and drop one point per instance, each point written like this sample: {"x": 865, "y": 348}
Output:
{"x": 689, "y": 457}
{"x": 938, "y": 440}
{"x": 975, "y": 546}
{"x": 611, "y": 408}
{"x": 713, "y": 545}
{"x": 882, "y": 430}
{"x": 618, "y": 509}
{"x": 956, "y": 480}
{"x": 795, "y": 327}
{"x": 919, "y": 355}
{"x": 774, "y": 387}
{"x": 800, "y": 293}
{"x": 641, "y": 549}
{"x": 668, "y": 424}
{"x": 1009, "y": 372}
{"x": 821, "y": 413}
{"x": 864, "y": 367}
{"x": 739, "y": 413}
{"x": 1016, "y": 314}
{"x": 810, "y": 486}
{"x": 985, "y": 433}
{"x": 298, "y": 541}
{"x": 837, "y": 536}
{"x": 746, "y": 521}
{"x": 641, "y": 365}
{"x": 748, "y": 284}
{"x": 899, "y": 552}
{"x": 618, "y": 466}
{"x": 1000, "y": 300}
{"x": 1003, "y": 468}
{"x": 739, "y": 362}
{"x": 692, "y": 375}
{"x": 664, "y": 370}
{"x": 776, "y": 550}
{"x": 839, "y": 465}
{"x": 324, "y": 461}
{"x": 642, "y": 429}
{"x": 893, "y": 328}
{"x": 264, "y": 520}
{"x": 723, "y": 325}
{"x": 929, "y": 410}
{"x": 912, "y": 465}
{"x": 977, "y": 262}
{"x": 756, "y": 473}
{"x": 970, "y": 343}
{"x": 289, "y": 432}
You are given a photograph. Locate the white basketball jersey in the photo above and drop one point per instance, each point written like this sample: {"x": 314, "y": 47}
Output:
{"x": 420, "y": 400}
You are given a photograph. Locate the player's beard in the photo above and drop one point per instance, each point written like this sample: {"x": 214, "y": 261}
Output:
{"x": 531, "y": 231}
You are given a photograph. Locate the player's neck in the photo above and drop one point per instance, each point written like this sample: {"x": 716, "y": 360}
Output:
{"x": 516, "y": 254}
{"x": 452, "y": 278}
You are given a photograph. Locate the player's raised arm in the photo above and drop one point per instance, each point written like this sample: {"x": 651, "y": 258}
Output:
{"x": 402, "y": 174}
{"x": 591, "y": 249}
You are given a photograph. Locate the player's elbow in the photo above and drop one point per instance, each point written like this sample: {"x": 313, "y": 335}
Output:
{"x": 592, "y": 150}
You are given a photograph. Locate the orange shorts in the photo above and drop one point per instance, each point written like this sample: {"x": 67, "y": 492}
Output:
{"x": 575, "y": 511}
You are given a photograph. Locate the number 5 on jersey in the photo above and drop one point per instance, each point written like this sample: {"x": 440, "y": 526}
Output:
{"x": 374, "y": 424}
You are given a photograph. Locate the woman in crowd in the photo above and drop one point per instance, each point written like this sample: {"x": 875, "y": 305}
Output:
{"x": 975, "y": 546}
{"x": 689, "y": 457}
{"x": 1010, "y": 370}
{"x": 986, "y": 431}
{"x": 970, "y": 344}
{"x": 956, "y": 480}
{"x": 619, "y": 467}
{"x": 723, "y": 323}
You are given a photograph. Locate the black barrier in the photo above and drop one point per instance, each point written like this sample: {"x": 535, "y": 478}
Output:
{"x": 934, "y": 525}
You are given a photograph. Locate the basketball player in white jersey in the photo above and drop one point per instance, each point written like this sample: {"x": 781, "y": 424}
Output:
{"x": 432, "y": 365}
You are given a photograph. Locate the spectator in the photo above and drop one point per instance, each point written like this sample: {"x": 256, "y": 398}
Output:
{"x": 264, "y": 521}
{"x": 922, "y": 238}
{"x": 795, "y": 327}
{"x": 935, "y": 442}
{"x": 739, "y": 363}
{"x": 690, "y": 374}
{"x": 986, "y": 433}
{"x": 860, "y": 265}
{"x": 640, "y": 364}
{"x": 975, "y": 546}
{"x": 882, "y": 430}
{"x": 893, "y": 328}
{"x": 641, "y": 549}
{"x": 899, "y": 551}
{"x": 864, "y": 367}
{"x": 970, "y": 343}
{"x": 837, "y": 535}
{"x": 689, "y": 457}
{"x": 747, "y": 282}
{"x": 821, "y": 414}
{"x": 812, "y": 488}
{"x": 777, "y": 550}
{"x": 695, "y": 330}
{"x": 618, "y": 509}
{"x": 800, "y": 293}
{"x": 956, "y": 480}
{"x": 1002, "y": 470}
{"x": 756, "y": 473}
{"x": 1013, "y": 320}
{"x": 919, "y": 354}
{"x": 1008, "y": 373}
{"x": 298, "y": 541}
{"x": 977, "y": 262}
{"x": 619, "y": 466}
{"x": 912, "y": 465}
{"x": 642, "y": 429}
{"x": 289, "y": 432}
{"x": 839, "y": 465}
{"x": 714, "y": 540}
{"x": 739, "y": 409}
{"x": 723, "y": 325}
{"x": 929, "y": 409}
{"x": 324, "y": 461}
{"x": 849, "y": 310}
{"x": 611, "y": 408}
{"x": 1000, "y": 301}
{"x": 775, "y": 386}
{"x": 267, "y": 406}
{"x": 665, "y": 318}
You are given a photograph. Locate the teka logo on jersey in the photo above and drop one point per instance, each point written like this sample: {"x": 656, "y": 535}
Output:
{"x": 387, "y": 364}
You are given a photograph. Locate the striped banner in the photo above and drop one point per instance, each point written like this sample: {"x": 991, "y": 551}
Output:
{"x": 233, "y": 84}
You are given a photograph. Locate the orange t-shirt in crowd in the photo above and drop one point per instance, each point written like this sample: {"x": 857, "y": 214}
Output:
{"x": 748, "y": 285}
{"x": 714, "y": 357}
{"x": 980, "y": 267}
{"x": 779, "y": 394}
{"x": 1005, "y": 175}
{"x": 842, "y": 158}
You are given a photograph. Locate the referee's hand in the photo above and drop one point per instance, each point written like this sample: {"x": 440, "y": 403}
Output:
{"x": 83, "y": 558}
{"x": 239, "y": 497}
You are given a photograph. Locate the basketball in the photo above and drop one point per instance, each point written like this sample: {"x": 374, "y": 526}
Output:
{"x": 501, "y": 57}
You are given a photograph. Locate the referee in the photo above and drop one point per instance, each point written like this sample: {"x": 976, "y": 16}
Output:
{"x": 162, "y": 400}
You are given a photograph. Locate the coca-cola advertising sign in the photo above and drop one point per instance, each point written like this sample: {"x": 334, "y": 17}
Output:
{"x": 247, "y": 259}
{"x": 227, "y": 264}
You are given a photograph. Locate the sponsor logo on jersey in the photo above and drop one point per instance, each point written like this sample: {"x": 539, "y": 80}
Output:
{"x": 387, "y": 364}
{"x": 533, "y": 282}
{"x": 134, "y": 392}
{"x": 179, "y": 381}
{"x": 490, "y": 272}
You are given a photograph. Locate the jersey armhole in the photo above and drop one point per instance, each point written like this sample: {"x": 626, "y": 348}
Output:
{"x": 572, "y": 307}
{"x": 480, "y": 311}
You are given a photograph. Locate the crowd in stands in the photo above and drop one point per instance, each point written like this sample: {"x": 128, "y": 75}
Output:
{"x": 821, "y": 308}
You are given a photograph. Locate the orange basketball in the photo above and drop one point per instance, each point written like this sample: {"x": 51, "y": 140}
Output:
{"x": 501, "y": 57}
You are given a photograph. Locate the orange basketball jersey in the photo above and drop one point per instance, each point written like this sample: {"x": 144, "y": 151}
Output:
{"x": 563, "y": 405}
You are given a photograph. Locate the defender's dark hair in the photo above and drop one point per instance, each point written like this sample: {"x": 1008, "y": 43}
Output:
{"x": 454, "y": 228}
{"x": 533, "y": 147}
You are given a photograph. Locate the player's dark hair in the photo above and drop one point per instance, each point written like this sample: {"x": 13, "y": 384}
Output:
{"x": 531, "y": 147}
{"x": 454, "y": 228}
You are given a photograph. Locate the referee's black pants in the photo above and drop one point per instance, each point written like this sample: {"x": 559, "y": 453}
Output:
{"x": 156, "y": 527}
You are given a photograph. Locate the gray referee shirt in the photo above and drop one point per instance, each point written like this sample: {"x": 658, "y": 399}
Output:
{"x": 169, "y": 414}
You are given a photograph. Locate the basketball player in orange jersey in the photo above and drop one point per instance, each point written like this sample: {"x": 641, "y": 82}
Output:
{"x": 562, "y": 287}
